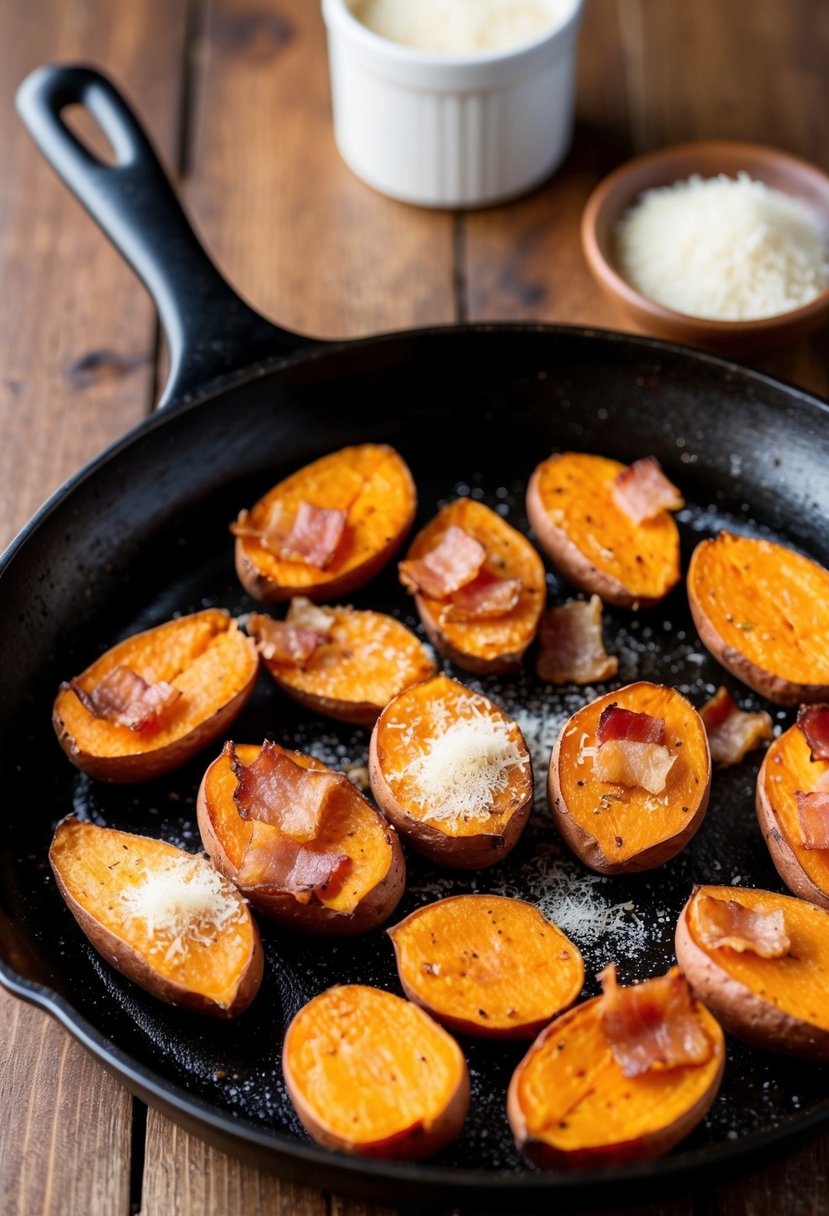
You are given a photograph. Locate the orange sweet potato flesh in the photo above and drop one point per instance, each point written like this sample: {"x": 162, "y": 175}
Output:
{"x": 495, "y": 644}
{"x": 372, "y": 483}
{"x": 205, "y": 656}
{"x": 216, "y": 972}
{"x": 616, "y": 828}
{"x": 371, "y": 1074}
{"x": 781, "y": 1004}
{"x": 368, "y": 659}
{"x": 592, "y": 541}
{"x": 371, "y": 887}
{"x": 763, "y": 612}
{"x": 571, "y": 1106}
{"x": 786, "y": 768}
{"x": 405, "y": 731}
{"x": 486, "y": 965}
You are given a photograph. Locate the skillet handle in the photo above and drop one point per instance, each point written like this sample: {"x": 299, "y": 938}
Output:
{"x": 210, "y": 331}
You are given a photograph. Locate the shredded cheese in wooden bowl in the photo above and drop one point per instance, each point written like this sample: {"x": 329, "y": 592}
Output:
{"x": 725, "y": 248}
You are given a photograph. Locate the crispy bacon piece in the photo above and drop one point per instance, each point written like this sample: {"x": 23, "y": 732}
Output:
{"x": 570, "y": 644}
{"x": 274, "y": 789}
{"x": 127, "y": 699}
{"x": 813, "y": 813}
{"x": 732, "y": 732}
{"x": 623, "y": 762}
{"x": 643, "y": 491}
{"x": 313, "y": 536}
{"x": 725, "y": 922}
{"x": 652, "y": 1023}
{"x": 813, "y": 720}
{"x": 484, "y": 597}
{"x": 453, "y": 563}
{"x": 284, "y": 643}
{"x": 274, "y": 860}
{"x": 616, "y": 723}
{"x": 822, "y": 783}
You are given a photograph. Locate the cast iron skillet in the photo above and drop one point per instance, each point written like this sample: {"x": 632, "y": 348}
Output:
{"x": 141, "y": 533}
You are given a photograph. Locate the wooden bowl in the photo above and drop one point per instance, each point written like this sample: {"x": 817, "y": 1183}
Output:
{"x": 620, "y": 189}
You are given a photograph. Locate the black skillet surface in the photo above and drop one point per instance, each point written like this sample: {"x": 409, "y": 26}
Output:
{"x": 141, "y": 534}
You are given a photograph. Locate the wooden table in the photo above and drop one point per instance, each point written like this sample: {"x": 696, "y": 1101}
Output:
{"x": 236, "y": 94}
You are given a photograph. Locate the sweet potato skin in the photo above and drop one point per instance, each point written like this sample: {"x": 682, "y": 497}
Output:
{"x": 522, "y": 1028}
{"x": 132, "y": 964}
{"x": 157, "y": 761}
{"x": 643, "y": 1148}
{"x": 586, "y": 846}
{"x": 776, "y": 686}
{"x": 741, "y": 1011}
{"x": 313, "y": 917}
{"x": 332, "y": 586}
{"x": 788, "y": 864}
{"x": 572, "y": 562}
{"x": 475, "y": 852}
{"x": 488, "y": 647}
{"x": 412, "y": 1143}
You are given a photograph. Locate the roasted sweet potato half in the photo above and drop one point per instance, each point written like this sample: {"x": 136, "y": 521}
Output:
{"x": 452, "y": 772}
{"x": 632, "y": 800}
{"x": 763, "y": 612}
{"x": 333, "y": 867}
{"x": 573, "y": 507}
{"x": 157, "y": 698}
{"x": 162, "y": 917}
{"x": 328, "y": 528}
{"x": 760, "y": 962}
{"x": 487, "y": 966}
{"x": 478, "y": 586}
{"x": 340, "y": 662}
{"x": 371, "y": 1074}
{"x": 800, "y": 855}
{"x": 572, "y": 1106}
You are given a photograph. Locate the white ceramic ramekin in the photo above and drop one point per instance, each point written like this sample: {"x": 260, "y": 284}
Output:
{"x": 442, "y": 131}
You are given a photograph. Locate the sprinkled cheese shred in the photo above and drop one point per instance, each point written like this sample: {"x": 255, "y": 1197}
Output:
{"x": 466, "y": 764}
{"x": 185, "y": 900}
{"x": 731, "y": 249}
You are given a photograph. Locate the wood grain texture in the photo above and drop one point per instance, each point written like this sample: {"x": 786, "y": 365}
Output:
{"x": 78, "y": 330}
{"x": 303, "y": 239}
{"x": 794, "y": 1185}
{"x": 182, "y": 1174}
{"x": 64, "y": 1123}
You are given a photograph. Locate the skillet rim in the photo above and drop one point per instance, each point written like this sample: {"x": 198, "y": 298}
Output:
{"x": 359, "y": 1175}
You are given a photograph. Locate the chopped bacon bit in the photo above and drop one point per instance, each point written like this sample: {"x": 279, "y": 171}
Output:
{"x": 273, "y": 860}
{"x": 813, "y": 813}
{"x": 571, "y": 647}
{"x": 274, "y": 789}
{"x": 652, "y": 1023}
{"x": 725, "y": 922}
{"x": 127, "y": 699}
{"x": 813, "y": 720}
{"x": 732, "y": 732}
{"x": 485, "y": 596}
{"x": 625, "y": 762}
{"x": 616, "y": 723}
{"x": 452, "y": 564}
{"x": 643, "y": 491}
{"x": 313, "y": 536}
{"x": 283, "y": 643}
